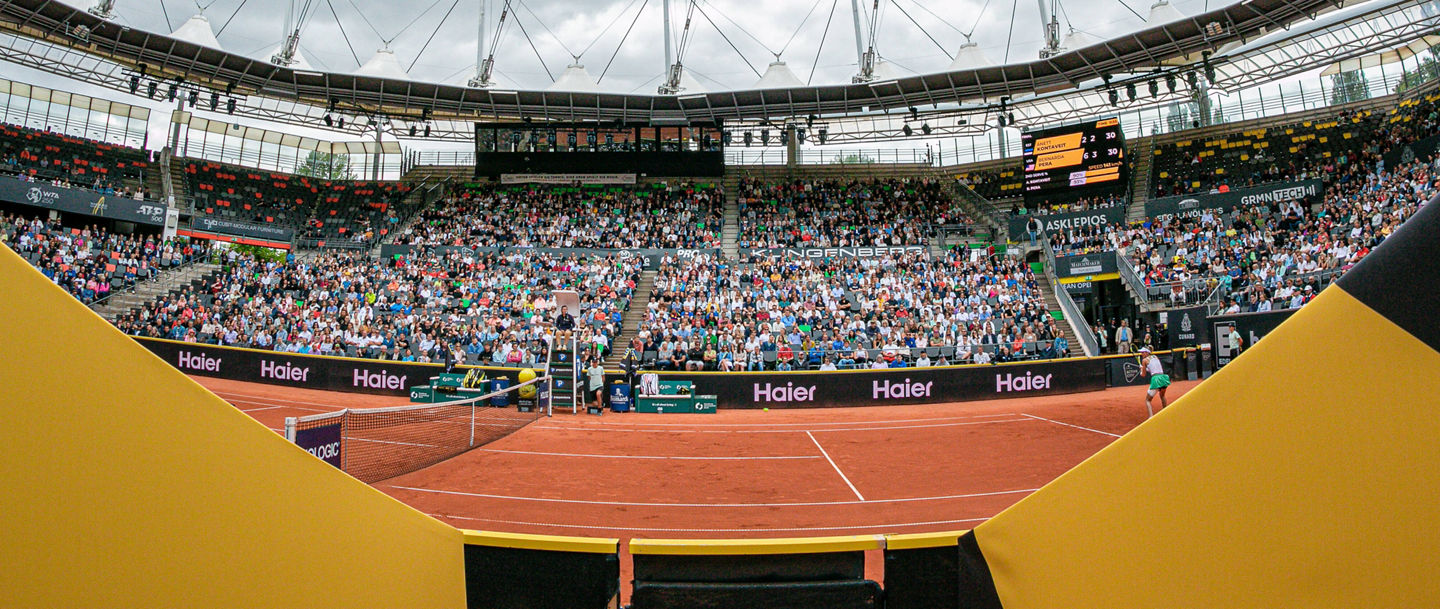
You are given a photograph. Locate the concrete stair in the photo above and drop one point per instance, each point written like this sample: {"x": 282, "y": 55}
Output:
{"x": 150, "y": 290}
{"x": 439, "y": 173}
{"x": 1144, "y": 156}
{"x": 630, "y": 323}
{"x": 730, "y": 232}
{"x": 1067, "y": 329}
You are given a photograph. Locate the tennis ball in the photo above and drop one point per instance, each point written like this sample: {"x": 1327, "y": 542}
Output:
{"x": 527, "y": 391}
{"x": 767, "y": 410}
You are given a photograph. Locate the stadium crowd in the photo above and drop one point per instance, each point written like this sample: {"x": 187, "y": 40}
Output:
{"x": 476, "y": 308}
{"x": 91, "y": 262}
{"x": 833, "y": 213}
{"x": 680, "y": 215}
{"x": 70, "y": 162}
{"x": 706, "y": 313}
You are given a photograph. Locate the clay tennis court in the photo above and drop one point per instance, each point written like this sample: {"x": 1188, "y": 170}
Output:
{"x": 746, "y": 473}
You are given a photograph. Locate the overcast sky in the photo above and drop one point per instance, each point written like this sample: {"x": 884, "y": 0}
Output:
{"x": 757, "y": 28}
{"x": 594, "y": 29}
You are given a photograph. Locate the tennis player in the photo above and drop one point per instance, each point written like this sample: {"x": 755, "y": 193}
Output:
{"x": 1150, "y": 363}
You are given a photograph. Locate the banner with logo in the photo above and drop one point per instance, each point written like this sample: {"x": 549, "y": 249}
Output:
{"x": 308, "y": 371}
{"x": 1065, "y": 221}
{"x": 1086, "y": 264}
{"x": 323, "y": 442}
{"x": 815, "y": 253}
{"x": 895, "y": 386}
{"x": 1187, "y": 206}
{"x": 242, "y": 229}
{"x": 1417, "y": 150}
{"x": 567, "y": 178}
{"x": 1187, "y": 327}
{"x": 1251, "y": 326}
{"x": 81, "y": 201}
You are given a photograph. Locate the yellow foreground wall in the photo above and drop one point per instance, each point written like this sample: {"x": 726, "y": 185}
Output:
{"x": 125, "y": 484}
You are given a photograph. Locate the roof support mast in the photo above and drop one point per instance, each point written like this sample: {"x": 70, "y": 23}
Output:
{"x": 1050, "y": 28}
{"x": 674, "y": 63}
{"x": 104, "y": 9}
{"x": 865, "y": 53}
{"x": 668, "y": 57}
{"x": 286, "y": 55}
{"x": 484, "y": 64}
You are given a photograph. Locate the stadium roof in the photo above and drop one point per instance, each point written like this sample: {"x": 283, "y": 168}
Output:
{"x": 77, "y": 43}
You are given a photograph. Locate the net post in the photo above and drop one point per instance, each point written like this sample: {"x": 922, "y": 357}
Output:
{"x": 473, "y": 406}
{"x": 290, "y": 429}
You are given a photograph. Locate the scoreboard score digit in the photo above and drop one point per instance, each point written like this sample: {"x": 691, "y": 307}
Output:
{"x": 1074, "y": 157}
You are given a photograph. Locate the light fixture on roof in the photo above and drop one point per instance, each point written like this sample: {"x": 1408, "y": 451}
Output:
{"x": 329, "y": 121}
{"x": 172, "y": 91}
{"x": 1170, "y": 82}
{"x": 134, "y": 83}
{"x": 214, "y": 101}
{"x": 1154, "y": 88}
{"x": 230, "y": 106}
{"x": 194, "y": 99}
{"x": 914, "y": 113}
{"x": 427, "y": 131}
{"x": 925, "y": 128}
{"x": 749, "y": 136}
{"x": 907, "y": 130}
{"x": 823, "y": 132}
{"x": 1114, "y": 97}
{"x": 1130, "y": 90}
{"x": 150, "y": 89}
{"x": 412, "y": 130}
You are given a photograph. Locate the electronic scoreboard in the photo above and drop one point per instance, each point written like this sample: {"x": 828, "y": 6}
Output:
{"x": 1061, "y": 162}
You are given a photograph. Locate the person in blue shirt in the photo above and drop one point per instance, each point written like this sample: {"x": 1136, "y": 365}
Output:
{"x": 814, "y": 355}
{"x": 897, "y": 363}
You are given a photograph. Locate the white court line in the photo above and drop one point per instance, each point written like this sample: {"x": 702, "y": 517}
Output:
{"x": 712, "y": 505}
{"x": 257, "y": 409}
{"x": 602, "y": 428}
{"x": 837, "y": 467}
{"x": 239, "y": 403}
{"x": 695, "y": 425}
{"x": 1103, "y": 433}
{"x": 271, "y": 398}
{"x": 531, "y": 452}
{"x": 892, "y": 525}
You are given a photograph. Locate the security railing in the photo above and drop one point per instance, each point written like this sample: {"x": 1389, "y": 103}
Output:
{"x": 1084, "y": 334}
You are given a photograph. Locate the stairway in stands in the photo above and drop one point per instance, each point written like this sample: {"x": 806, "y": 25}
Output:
{"x": 1144, "y": 156}
{"x": 148, "y": 291}
{"x": 1047, "y": 292}
{"x": 631, "y": 321}
{"x": 730, "y": 231}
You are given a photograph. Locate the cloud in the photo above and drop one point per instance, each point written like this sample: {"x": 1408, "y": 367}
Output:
{"x": 728, "y": 57}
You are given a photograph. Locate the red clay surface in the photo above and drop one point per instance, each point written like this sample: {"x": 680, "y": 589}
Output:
{"x": 747, "y": 473}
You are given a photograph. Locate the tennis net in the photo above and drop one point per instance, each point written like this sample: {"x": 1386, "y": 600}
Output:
{"x": 374, "y": 444}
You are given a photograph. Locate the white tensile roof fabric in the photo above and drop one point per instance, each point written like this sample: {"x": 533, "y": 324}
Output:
{"x": 1077, "y": 39}
{"x": 575, "y": 78}
{"x": 1163, "y": 12}
{"x": 970, "y": 57}
{"x": 383, "y": 65}
{"x": 885, "y": 70}
{"x": 778, "y": 76}
{"x": 197, "y": 30}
